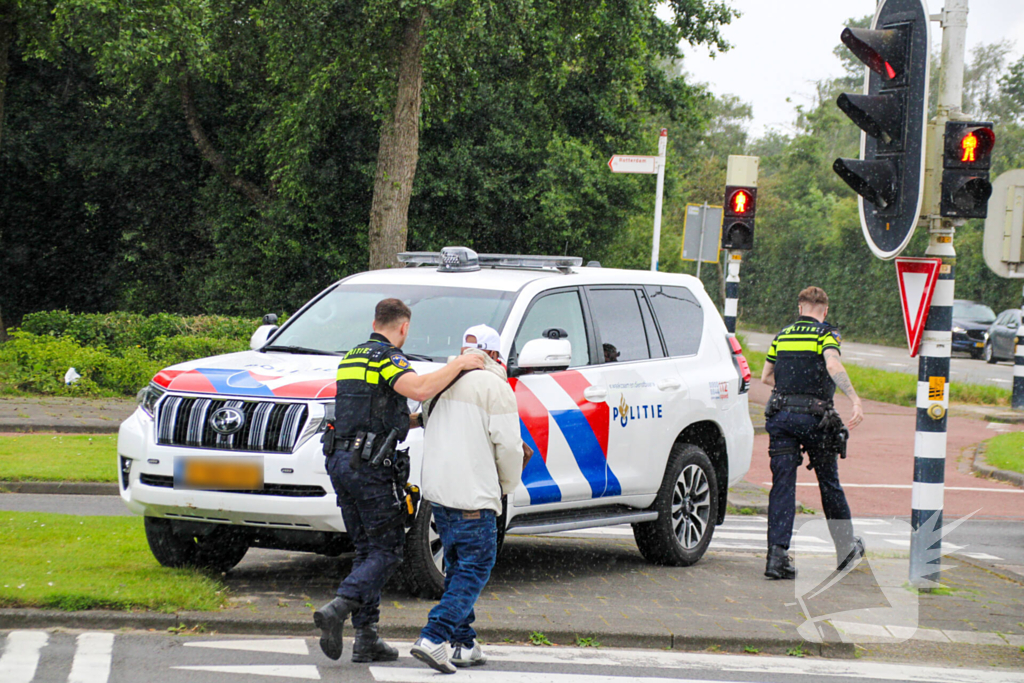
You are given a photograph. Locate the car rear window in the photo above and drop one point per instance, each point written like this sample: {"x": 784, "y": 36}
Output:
{"x": 680, "y": 316}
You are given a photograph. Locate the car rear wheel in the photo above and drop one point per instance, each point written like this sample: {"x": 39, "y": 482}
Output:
{"x": 988, "y": 354}
{"x": 423, "y": 567}
{"x": 687, "y": 503}
{"x": 215, "y": 547}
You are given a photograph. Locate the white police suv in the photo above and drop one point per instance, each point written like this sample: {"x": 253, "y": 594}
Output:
{"x": 631, "y": 393}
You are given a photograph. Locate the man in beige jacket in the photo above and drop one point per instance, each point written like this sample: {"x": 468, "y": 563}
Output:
{"x": 472, "y": 456}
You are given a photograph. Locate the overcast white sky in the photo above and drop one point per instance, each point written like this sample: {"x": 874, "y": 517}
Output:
{"x": 782, "y": 46}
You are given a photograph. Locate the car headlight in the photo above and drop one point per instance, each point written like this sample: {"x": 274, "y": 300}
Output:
{"x": 148, "y": 397}
{"x": 959, "y": 329}
{"x": 328, "y": 416}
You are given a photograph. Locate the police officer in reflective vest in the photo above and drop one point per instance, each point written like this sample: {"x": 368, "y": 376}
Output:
{"x": 804, "y": 368}
{"x": 371, "y": 418}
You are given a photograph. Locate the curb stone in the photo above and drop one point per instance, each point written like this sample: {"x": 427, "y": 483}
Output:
{"x": 985, "y": 470}
{"x": 79, "y": 488}
{"x": 56, "y": 427}
{"x": 1006, "y": 417}
{"x": 11, "y": 618}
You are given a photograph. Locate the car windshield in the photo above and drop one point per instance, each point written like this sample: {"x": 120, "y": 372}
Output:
{"x": 343, "y": 317}
{"x": 973, "y": 312}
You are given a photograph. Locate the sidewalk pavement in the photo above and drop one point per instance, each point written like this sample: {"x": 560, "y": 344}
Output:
{"x": 64, "y": 414}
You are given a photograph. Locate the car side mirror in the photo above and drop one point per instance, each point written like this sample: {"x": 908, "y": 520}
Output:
{"x": 545, "y": 354}
{"x": 259, "y": 338}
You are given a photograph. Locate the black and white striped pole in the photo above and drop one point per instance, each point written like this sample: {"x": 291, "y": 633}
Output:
{"x": 738, "y": 213}
{"x": 1017, "y": 401}
{"x": 733, "y": 261}
{"x": 928, "y": 489}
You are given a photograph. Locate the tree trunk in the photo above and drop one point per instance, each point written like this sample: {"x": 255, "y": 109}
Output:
{"x": 399, "y": 152}
{"x": 247, "y": 189}
{"x": 6, "y": 38}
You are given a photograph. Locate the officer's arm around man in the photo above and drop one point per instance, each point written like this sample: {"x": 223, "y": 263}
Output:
{"x": 371, "y": 416}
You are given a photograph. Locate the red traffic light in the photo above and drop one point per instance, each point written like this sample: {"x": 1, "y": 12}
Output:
{"x": 976, "y": 145}
{"x": 741, "y": 203}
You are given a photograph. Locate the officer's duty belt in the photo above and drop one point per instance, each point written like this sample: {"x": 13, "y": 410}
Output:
{"x": 801, "y": 404}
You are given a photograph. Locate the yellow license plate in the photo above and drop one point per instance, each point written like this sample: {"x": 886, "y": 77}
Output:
{"x": 219, "y": 474}
{"x": 979, "y": 344}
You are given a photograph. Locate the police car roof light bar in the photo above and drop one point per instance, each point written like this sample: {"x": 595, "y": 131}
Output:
{"x": 449, "y": 260}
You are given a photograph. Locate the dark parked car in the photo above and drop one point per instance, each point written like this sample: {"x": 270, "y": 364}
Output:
{"x": 971, "y": 321}
{"x": 999, "y": 342}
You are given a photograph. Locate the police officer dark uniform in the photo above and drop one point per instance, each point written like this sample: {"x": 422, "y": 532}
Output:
{"x": 371, "y": 418}
{"x": 804, "y": 367}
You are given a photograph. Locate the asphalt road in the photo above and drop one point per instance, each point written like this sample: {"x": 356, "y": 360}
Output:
{"x": 115, "y": 657}
{"x": 963, "y": 369}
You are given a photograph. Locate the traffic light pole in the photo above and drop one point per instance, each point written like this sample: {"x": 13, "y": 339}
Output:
{"x": 656, "y": 246}
{"x": 733, "y": 261}
{"x": 936, "y": 343}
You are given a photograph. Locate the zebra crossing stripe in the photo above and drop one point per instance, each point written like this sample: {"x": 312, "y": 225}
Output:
{"x": 306, "y": 672}
{"x": 21, "y": 656}
{"x": 93, "y": 654}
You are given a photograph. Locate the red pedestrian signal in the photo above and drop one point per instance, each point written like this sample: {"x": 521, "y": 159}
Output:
{"x": 965, "y": 163}
{"x": 738, "y": 217}
{"x": 741, "y": 202}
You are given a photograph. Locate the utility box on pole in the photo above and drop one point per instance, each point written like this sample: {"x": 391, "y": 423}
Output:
{"x": 1004, "y": 227}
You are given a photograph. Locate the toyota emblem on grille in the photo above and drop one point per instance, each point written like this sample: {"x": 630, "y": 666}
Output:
{"x": 227, "y": 420}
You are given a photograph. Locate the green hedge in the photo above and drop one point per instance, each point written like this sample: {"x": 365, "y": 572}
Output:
{"x": 116, "y": 353}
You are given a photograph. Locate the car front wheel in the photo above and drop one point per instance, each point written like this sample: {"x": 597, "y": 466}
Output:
{"x": 686, "y": 504}
{"x": 215, "y": 547}
{"x": 988, "y": 354}
{"x": 423, "y": 566}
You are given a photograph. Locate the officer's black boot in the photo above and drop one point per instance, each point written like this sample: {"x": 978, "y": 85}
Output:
{"x": 779, "y": 566}
{"x": 852, "y": 554}
{"x": 370, "y": 648}
{"x": 330, "y": 619}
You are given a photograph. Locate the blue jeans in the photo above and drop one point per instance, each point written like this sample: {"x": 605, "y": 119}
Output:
{"x": 470, "y": 539}
{"x": 787, "y": 432}
{"x": 373, "y": 520}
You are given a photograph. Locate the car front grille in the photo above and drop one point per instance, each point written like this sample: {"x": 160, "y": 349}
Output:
{"x": 286, "y": 490}
{"x": 976, "y": 335}
{"x": 268, "y": 428}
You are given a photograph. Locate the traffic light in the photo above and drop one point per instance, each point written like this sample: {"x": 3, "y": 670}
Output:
{"x": 738, "y": 217}
{"x": 965, "y": 162}
{"x": 889, "y": 175}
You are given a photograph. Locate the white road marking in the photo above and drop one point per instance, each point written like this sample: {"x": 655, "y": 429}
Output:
{"x": 21, "y": 656}
{"x": 307, "y": 672}
{"x": 284, "y": 646}
{"x": 984, "y": 556}
{"x": 695, "y": 664}
{"x": 898, "y": 365}
{"x": 1003, "y": 381}
{"x": 907, "y": 486}
{"x": 999, "y": 426}
{"x": 93, "y": 653}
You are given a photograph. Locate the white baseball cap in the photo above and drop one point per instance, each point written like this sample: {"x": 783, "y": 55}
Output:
{"x": 487, "y": 338}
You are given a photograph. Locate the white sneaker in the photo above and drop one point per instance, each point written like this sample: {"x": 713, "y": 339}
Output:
{"x": 434, "y": 655}
{"x": 472, "y": 655}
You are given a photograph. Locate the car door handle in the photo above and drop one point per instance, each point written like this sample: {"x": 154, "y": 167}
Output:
{"x": 669, "y": 384}
{"x": 595, "y": 394}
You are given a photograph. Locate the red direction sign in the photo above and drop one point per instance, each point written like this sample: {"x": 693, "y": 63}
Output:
{"x": 622, "y": 163}
{"x": 917, "y": 278}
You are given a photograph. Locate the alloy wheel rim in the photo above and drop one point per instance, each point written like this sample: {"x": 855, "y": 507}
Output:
{"x": 691, "y": 506}
{"x": 434, "y": 544}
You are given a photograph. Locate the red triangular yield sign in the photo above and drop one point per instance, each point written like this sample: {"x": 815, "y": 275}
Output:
{"x": 917, "y": 277}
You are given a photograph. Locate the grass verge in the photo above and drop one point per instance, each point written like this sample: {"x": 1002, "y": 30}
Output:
{"x": 58, "y": 457}
{"x": 1006, "y": 452}
{"x": 69, "y": 562}
{"x": 899, "y": 387}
